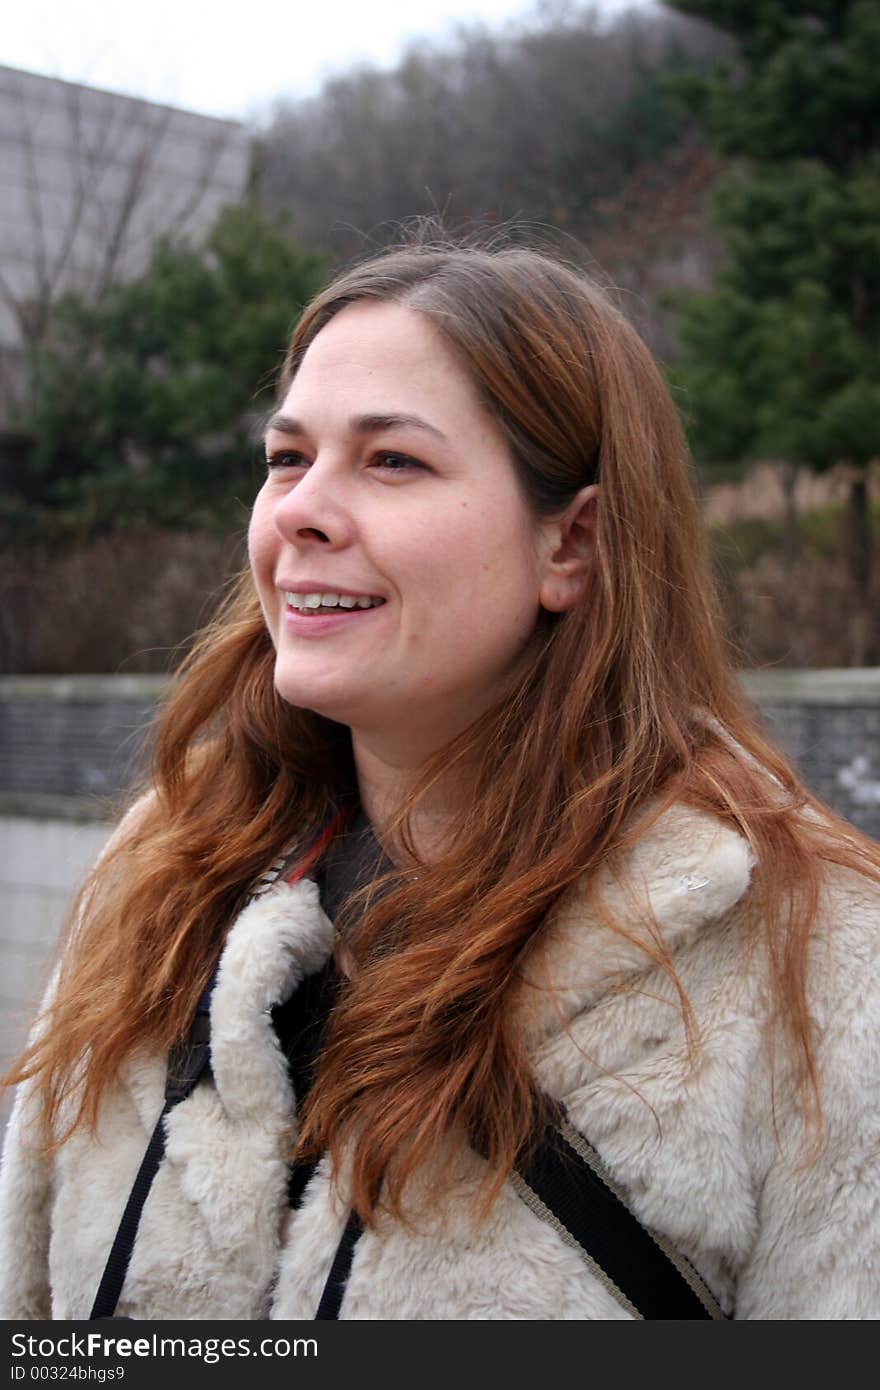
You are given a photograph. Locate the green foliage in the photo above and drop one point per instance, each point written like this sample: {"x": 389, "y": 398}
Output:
{"x": 807, "y": 83}
{"x": 783, "y": 358}
{"x": 143, "y": 406}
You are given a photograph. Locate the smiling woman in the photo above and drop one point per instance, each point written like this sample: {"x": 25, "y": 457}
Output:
{"x": 467, "y": 866}
{"x": 389, "y": 481}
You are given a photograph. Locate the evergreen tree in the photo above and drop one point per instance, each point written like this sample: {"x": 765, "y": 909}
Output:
{"x": 783, "y": 358}
{"x": 144, "y": 405}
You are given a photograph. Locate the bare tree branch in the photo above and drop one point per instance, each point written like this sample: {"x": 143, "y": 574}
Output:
{"x": 96, "y": 188}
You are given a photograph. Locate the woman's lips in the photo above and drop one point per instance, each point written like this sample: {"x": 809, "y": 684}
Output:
{"x": 317, "y": 622}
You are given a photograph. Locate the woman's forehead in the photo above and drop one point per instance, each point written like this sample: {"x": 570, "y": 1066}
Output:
{"x": 381, "y": 359}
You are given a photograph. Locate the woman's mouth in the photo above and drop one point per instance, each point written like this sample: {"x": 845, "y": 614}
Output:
{"x": 319, "y": 604}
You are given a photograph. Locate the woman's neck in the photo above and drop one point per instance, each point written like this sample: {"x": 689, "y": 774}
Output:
{"x": 384, "y": 782}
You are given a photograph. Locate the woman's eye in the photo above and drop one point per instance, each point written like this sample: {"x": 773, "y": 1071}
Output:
{"x": 397, "y": 463}
{"x": 386, "y": 459}
{"x": 285, "y": 458}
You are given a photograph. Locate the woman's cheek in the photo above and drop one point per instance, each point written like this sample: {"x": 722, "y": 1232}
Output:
{"x": 261, "y": 547}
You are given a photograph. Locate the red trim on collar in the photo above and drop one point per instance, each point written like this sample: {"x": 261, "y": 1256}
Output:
{"x": 313, "y": 851}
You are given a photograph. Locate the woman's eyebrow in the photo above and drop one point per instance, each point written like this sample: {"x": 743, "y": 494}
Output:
{"x": 373, "y": 423}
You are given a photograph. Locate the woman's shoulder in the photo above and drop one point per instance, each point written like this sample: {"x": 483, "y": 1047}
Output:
{"x": 136, "y": 814}
{"x": 691, "y": 867}
{"x": 680, "y": 890}
{"x": 681, "y": 874}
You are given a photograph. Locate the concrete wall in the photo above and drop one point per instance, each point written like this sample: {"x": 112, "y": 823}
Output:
{"x": 42, "y": 861}
{"x": 68, "y": 748}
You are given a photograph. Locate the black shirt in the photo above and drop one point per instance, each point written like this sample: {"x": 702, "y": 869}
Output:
{"x": 351, "y": 862}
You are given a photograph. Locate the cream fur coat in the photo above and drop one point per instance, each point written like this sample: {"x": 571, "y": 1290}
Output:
{"x": 709, "y": 1151}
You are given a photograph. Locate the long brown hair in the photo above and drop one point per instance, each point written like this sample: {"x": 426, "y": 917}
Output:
{"x": 628, "y": 699}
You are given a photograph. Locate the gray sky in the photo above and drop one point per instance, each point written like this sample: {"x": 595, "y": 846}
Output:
{"x": 229, "y": 59}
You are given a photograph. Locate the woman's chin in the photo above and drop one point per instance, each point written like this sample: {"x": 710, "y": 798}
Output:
{"x": 327, "y": 699}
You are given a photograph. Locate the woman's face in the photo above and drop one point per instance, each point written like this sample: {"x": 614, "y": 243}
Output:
{"x": 392, "y": 503}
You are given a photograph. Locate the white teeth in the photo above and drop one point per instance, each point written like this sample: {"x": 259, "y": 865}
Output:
{"x": 311, "y": 601}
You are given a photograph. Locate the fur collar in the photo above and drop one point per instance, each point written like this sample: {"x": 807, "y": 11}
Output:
{"x": 687, "y": 871}
{"x": 276, "y": 941}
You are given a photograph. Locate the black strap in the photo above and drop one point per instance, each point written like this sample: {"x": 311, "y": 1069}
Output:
{"x": 115, "y": 1270}
{"x": 641, "y": 1271}
{"x": 186, "y": 1066}
{"x": 567, "y": 1186}
{"x": 331, "y": 1298}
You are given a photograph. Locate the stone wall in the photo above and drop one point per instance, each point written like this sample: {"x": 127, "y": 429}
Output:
{"x": 829, "y": 724}
{"x": 71, "y": 744}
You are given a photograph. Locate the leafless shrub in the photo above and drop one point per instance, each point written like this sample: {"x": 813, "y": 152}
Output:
{"x": 121, "y": 602}
{"x": 791, "y": 617}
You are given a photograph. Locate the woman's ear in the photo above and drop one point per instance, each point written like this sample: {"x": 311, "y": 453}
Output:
{"x": 571, "y": 546}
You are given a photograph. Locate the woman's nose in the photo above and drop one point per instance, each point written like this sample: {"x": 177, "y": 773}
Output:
{"x": 316, "y": 509}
